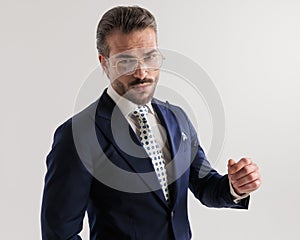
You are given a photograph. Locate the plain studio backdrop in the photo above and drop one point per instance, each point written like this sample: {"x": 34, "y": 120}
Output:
{"x": 250, "y": 50}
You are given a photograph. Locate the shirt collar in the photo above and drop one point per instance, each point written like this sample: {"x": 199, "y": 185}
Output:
{"x": 125, "y": 105}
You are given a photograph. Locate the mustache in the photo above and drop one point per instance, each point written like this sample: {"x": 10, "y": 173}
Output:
{"x": 140, "y": 81}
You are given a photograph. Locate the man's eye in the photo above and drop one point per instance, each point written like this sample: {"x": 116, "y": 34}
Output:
{"x": 127, "y": 61}
{"x": 151, "y": 57}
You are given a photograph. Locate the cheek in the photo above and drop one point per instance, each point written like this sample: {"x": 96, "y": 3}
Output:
{"x": 155, "y": 76}
{"x": 122, "y": 81}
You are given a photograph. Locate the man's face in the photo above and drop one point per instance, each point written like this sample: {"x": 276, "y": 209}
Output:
{"x": 129, "y": 64}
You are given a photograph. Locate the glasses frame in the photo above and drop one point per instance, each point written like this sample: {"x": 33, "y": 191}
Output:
{"x": 139, "y": 61}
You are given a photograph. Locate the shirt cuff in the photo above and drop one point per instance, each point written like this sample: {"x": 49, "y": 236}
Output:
{"x": 236, "y": 197}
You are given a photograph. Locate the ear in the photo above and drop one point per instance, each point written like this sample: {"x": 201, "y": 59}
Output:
{"x": 103, "y": 63}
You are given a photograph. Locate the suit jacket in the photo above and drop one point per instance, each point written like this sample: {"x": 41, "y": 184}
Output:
{"x": 97, "y": 165}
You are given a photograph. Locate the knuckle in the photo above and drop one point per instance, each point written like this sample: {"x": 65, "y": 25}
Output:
{"x": 255, "y": 166}
{"x": 251, "y": 169}
{"x": 251, "y": 177}
{"x": 246, "y": 160}
{"x": 256, "y": 183}
{"x": 259, "y": 182}
{"x": 248, "y": 169}
{"x": 255, "y": 176}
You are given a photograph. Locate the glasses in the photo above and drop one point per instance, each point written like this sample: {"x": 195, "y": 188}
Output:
{"x": 127, "y": 65}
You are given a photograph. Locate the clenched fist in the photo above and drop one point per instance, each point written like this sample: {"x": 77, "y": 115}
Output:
{"x": 244, "y": 176}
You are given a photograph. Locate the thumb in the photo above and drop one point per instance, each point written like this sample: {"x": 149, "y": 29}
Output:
{"x": 231, "y": 162}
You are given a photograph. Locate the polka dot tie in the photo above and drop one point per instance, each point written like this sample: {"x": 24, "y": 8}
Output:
{"x": 152, "y": 148}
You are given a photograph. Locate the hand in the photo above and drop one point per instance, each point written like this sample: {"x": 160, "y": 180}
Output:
{"x": 244, "y": 176}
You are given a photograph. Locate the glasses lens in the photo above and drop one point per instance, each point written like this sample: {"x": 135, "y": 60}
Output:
{"x": 126, "y": 66}
{"x": 153, "y": 61}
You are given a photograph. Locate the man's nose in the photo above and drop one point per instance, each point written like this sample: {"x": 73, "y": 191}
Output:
{"x": 141, "y": 71}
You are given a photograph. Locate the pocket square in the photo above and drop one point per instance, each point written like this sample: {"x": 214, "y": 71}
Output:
{"x": 184, "y": 136}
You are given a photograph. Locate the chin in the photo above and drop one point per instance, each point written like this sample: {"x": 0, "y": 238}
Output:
{"x": 140, "y": 99}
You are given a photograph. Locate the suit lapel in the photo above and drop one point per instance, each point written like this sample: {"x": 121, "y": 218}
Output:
{"x": 118, "y": 132}
{"x": 169, "y": 119}
{"x": 114, "y": 126}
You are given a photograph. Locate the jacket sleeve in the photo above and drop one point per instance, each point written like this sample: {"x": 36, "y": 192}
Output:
{"x": 207, "y": 185}
{"x": 66, "y": 190}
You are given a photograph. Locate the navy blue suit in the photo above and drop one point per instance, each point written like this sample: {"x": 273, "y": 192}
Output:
{"x": 79, "y": 178}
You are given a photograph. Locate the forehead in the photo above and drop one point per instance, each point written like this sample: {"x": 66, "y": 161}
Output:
{"x": 119, "y": 42}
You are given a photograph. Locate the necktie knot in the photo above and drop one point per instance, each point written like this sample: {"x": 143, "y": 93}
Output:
{"x": 140, "y": 111}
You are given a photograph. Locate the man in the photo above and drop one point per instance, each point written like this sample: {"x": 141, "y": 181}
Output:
{"x": 112, "y": 160}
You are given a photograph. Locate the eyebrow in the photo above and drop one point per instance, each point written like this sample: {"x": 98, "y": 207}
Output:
{"x": 124, "y": 55}
{"x": 152, "y": 51}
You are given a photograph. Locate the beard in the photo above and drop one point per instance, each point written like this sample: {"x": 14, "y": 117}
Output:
{"x": 138, "y": 91}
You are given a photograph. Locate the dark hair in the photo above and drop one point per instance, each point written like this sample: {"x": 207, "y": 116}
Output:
{"x": 125, "y": 20}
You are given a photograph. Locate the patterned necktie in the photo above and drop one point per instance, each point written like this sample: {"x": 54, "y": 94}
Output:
{"x": 152, "y": 148}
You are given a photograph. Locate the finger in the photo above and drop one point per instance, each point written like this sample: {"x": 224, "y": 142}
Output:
{"x": 249, "y": 187}
{"x": 245, "y": 171}
{"x": 239, "y": 165}
{"x": 246, "y": 179}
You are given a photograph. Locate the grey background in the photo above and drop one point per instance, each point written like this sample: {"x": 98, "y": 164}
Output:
{"x": 251, "y": 51}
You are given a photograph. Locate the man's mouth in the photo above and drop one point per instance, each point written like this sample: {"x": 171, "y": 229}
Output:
{"x": 140, "y": 83}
